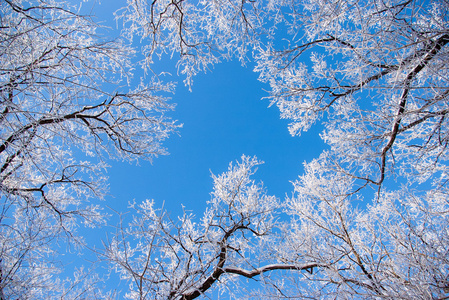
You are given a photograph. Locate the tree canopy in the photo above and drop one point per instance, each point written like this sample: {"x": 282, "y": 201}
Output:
{"x": 369, "y": 216}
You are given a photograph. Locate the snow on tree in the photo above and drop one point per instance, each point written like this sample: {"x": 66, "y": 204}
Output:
{"x": 367, "y": 219}
{"x": 64, "y": 96}
{"x": 377, "y": 79}
{"x": 182, "y": 259}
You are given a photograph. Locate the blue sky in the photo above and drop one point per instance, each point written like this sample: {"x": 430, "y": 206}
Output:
{"x": 223, "y": 117}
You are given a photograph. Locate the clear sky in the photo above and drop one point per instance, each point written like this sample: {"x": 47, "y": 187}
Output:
{"x": 223, "y": 117}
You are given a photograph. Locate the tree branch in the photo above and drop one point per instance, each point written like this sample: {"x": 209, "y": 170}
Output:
{"x": 433, "y": 50}
{"x": 250, "y": 274}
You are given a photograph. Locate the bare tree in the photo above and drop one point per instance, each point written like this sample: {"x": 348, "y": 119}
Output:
{"x": 65, "y": 107}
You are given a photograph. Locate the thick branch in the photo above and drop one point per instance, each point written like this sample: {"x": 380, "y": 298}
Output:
{"x": 272, "y": 267}
{"x": 433, "y": 48}
{"x": 218, "y": 270}
{"x": 248, "y": 274}
{"x": 58, "y": 119}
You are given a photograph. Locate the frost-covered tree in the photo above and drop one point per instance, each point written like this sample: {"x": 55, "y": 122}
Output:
{"x": 376, "y": 73}
{"x": 198, "y": 33}
{"x": 65, "y": 107}
{"x": 369, "y": 217}
{"x": 167, "y": 258}
{"x": 374, "y": 205}
{"x": 395, "y": 248}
